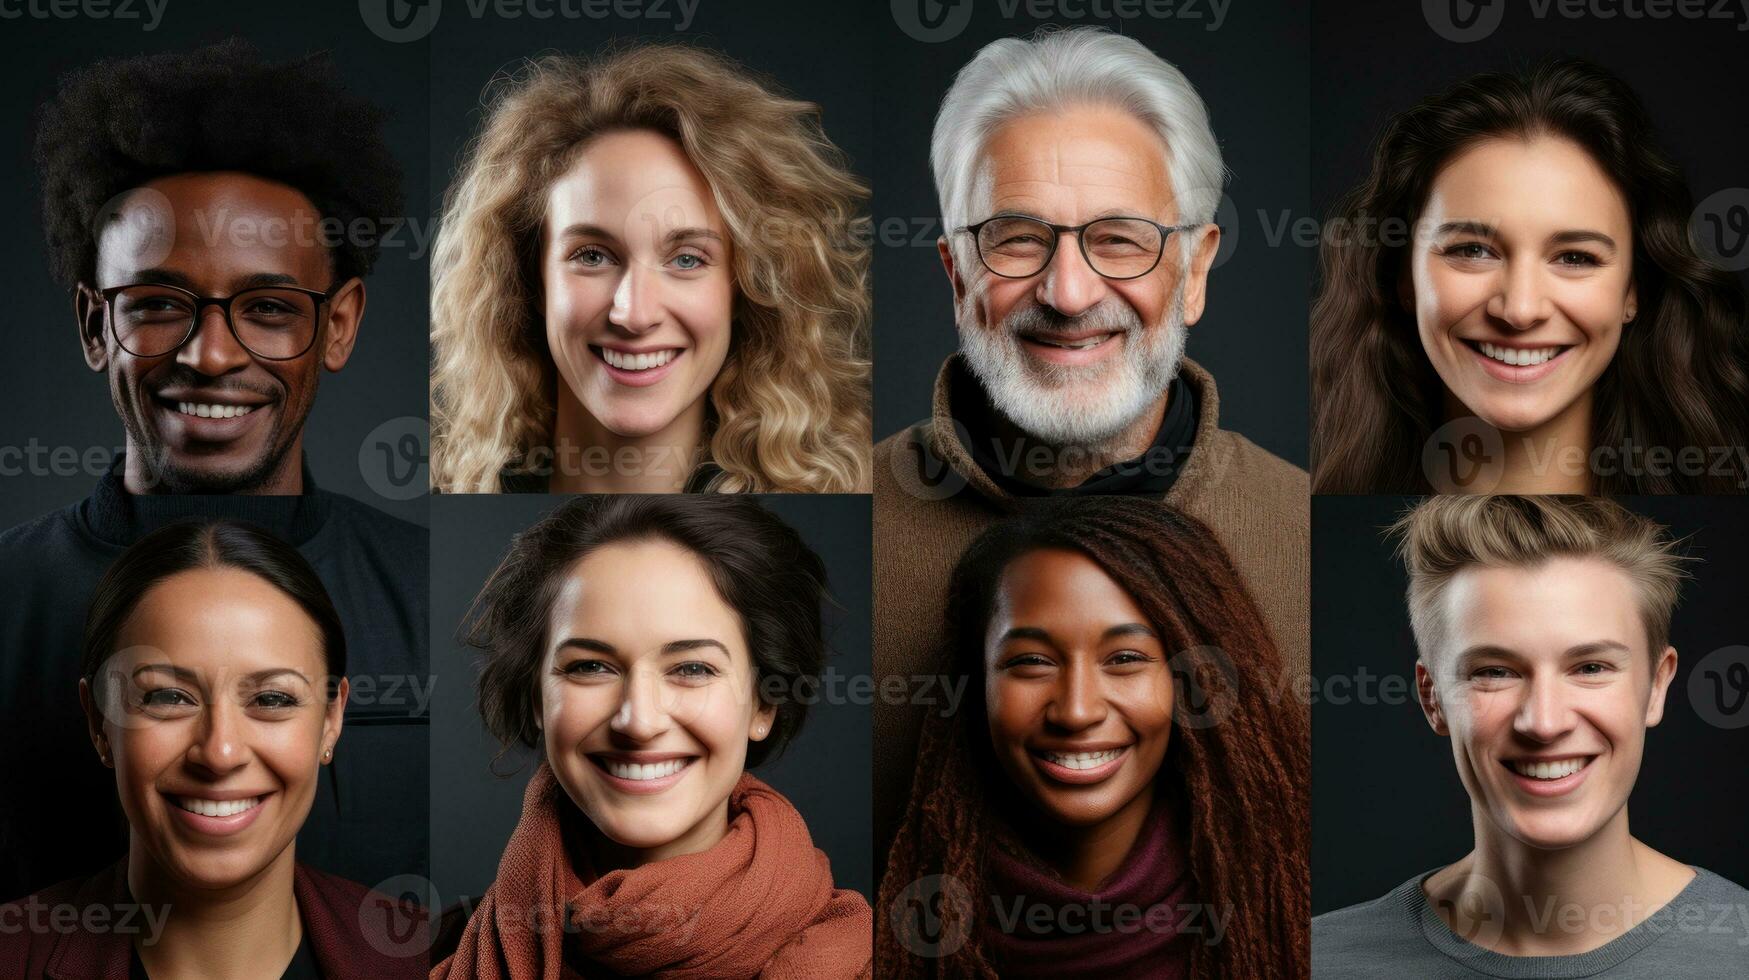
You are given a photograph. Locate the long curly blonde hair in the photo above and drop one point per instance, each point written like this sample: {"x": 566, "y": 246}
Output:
{"x": 790, "y": 406}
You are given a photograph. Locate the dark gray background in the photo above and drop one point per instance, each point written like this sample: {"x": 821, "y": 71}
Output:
{"x": 54, "y": 399}
{"x": 824, "y": 771}
{"x": 1379, "y": 57}
{"x": 1386, "y": 800}
{"x": 1252, "y": 74}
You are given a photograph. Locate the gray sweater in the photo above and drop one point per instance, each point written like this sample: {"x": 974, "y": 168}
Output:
{"x": 1703, "y": 932}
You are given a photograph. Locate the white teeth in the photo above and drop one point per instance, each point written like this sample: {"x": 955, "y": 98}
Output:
{"x": 655, "y": 770}
{"x": 217, "y": 808}
{"x": 1518, "y": 357}
{"x": 1548, "y": 770}
{"x": 213, "y": 411}
{"x": 1077, "y": 345}
{"x": 1084, "y": 760}
{"x": 637, "y": 362}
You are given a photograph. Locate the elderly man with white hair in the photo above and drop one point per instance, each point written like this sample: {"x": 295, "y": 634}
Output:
{"x": 1078, "y": 180}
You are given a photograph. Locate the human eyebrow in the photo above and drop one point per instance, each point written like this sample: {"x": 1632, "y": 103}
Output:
{"x": 1025, "y": 633}
{"x": 261, "y": 677}
{"x": 180, "y": 673}
{"x": 1466, "y": 227}
{"x": 584, "y": 229}
{"x": 681, "y": 235}
{"x": 587, "y": 643}
{"x": 1582, "y": 236}
{"x": 1129, "y": 629}
{"x": 687, "y": 646}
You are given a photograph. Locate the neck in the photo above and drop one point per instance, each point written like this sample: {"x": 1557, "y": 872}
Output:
{"x": 1556, "y": 902}
{"x": 286, "y": 477}
{"x": 250, "y": 929}
{"x": 588, "y": 458}
{"x": 1084, "y": 857}
{"x": 1072, "y": 465}
{"x": 1554, "y": 457}
{"x": 606, "y": 855}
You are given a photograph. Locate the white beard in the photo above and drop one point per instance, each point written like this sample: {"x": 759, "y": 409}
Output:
{"x": 1083, "y": 406}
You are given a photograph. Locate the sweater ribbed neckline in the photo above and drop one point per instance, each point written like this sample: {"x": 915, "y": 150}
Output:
{"x": 118, "y": 517}
{"x": 1411, "y": 898}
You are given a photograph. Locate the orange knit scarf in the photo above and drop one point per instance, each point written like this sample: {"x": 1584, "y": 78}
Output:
{"x": 760, "y": 903}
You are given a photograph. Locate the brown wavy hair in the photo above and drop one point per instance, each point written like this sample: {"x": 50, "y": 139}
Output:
{"x": 790, "y": 408}
{"x": 1679, "y": 378}
{"x": 1238, "y": 778}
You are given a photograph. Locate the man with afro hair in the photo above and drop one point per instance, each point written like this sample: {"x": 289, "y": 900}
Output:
{"x": 213, "y": 214}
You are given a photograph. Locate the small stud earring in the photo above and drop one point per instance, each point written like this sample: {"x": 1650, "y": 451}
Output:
{"x": 327, "y": 755}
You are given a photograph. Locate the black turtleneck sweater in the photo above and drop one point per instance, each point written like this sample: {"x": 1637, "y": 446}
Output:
{"x": 59, "y": 815}
{"x": 1014, "y": 466}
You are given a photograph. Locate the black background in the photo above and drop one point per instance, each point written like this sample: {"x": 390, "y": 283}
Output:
{"x": 1386, "y": 800}
{"x": 1251, "y": 73}
{"x": 52, "y": 397}
{"x": 824, "y": 771}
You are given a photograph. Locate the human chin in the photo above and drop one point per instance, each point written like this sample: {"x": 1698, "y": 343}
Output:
{"x": 188, "y": 454}
{"x": 641, "y": 799}
{"x": 1073, "y": 404}
{"x": 1555, "y": 800}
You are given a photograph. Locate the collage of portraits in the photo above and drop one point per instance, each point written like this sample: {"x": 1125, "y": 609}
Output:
{"x": 728, "y": 489}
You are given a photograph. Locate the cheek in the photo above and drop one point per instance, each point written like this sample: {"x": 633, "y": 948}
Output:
{"x": 570, "y": 712}
{"x": 1146, "y": 703}
{"x": 1010, "y": 709}
{"x": 1147, "y": 296}
{"x": 993, "y": 298}
{"x": 1445, "y": 297}
{"x": 574, "y": 303}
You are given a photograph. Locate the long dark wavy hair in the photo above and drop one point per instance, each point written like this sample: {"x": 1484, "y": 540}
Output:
{"x": 1679, "y": 377}
{"x": 1238, "y": 784}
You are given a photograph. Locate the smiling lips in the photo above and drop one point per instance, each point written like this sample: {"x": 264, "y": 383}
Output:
{"x": 217, "y": 818}
{"x": 1549, "y": 777}
{"x": 1080, "y": 768}
{"x": 640, "y": 775}
{"x": 1517, "y": 365}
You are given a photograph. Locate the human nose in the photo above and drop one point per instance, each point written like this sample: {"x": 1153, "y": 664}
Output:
{"x": 636, "y": 308}
{"x": 212, "y": 349}
{"x": 1078, "y": 702}
{"x": 1069, "y": 284}
{"x": 1544, "y": 715}
{"x": 1522, "y": 300}
{"x": 219, "y": 746}
{"x": 642, "y": 713}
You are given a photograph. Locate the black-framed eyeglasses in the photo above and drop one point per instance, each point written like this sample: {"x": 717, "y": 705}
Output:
{"x": 275, "y": 323}
{"x": 1017, "y": 246}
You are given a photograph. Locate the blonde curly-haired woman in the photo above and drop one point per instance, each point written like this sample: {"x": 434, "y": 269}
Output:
{"x": 652, "y": 276}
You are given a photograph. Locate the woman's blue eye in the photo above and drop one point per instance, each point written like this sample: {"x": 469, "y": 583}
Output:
{"x": 694, "y": 669}
{"x": 689, "y": 262}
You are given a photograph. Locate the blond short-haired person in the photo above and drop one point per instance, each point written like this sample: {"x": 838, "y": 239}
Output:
{"x": 1543, "y": 628}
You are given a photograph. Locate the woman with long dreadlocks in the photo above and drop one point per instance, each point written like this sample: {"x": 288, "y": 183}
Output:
{"x": 1124, "y": 791}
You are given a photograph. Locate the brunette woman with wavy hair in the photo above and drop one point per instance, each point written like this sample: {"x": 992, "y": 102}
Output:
{"x": 1520, "y": 254}
{"x": 650, "y": 251}
{"x": 1104, "y": 624}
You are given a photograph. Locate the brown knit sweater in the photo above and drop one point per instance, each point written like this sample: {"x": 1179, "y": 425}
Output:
{"x": 931, "y": 500}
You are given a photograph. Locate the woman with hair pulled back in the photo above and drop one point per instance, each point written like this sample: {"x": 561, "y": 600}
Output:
{"x": 214, "y": 685}
{"x": 1121, "y": 793}
{"x": 643, "y": 645}
{"x": 651, "y": 276}
{"x": 1511, "y": 302}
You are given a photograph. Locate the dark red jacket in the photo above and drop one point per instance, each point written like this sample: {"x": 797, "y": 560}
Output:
{"x": 84, "y": 929}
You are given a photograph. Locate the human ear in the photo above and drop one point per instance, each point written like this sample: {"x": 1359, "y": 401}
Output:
{"x": 1663, "y": 672}
{"x": 1429, "y": 698}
